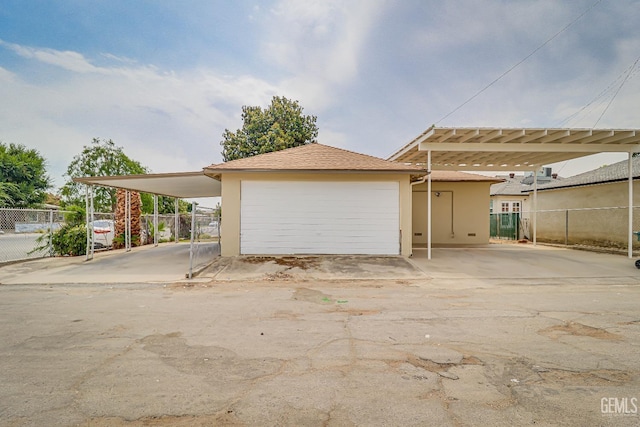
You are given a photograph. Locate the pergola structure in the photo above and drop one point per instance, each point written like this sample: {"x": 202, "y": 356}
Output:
{"x": 513, "y": 149}
{"x": 179, "y": 185}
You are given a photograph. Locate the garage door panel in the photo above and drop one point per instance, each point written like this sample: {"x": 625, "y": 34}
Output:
{"x": 319, "y": 217}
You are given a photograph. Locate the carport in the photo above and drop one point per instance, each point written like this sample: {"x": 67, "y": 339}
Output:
{"x": 179, "y": 185}
{"x": 513, "y": 149}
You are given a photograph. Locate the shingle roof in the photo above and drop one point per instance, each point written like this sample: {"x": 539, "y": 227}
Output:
{"x": 518, "y": 185}
{"x": 314, "y": 157}
{"x": 510, "y": 187}
{"x": 611, "y": 173}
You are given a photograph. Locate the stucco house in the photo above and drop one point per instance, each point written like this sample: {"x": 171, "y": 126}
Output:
{"x": 324, "y": 200}
{"x": 512, "y": 193}
{"x": 459, "y": 209}
{"x": 315, "y": 199}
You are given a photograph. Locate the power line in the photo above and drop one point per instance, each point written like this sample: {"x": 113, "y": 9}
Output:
{"x": 628, "y": 71}
{"x": 616, "y": 94}
{"x": 520, "y": 62}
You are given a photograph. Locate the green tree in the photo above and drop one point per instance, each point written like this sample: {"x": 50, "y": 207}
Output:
{"x": 281, "y": 125}
{"x": 166, "y": 205}
{"x": 100, "y": 158}
{"x": 23, "y": 177}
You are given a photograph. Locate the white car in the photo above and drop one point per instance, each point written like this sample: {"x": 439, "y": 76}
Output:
{"x": 103, "y": 232}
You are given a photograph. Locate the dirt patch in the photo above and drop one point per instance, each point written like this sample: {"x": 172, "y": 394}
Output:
{"x": 311, "y": 295}
{"x": 471, "y": 360}
{"x": 632, "y": 322}
{"x": 303, "y": 263}
{"x": 588, "y": 378}
{"x": 278, "y": 276}
{"x": 227, "y": 418}
{"x": 432, "y": 366}
{"x": 578, "y": 329}
{"x": 449, "y": 296}
{"x": 286, "y": 314}
{"x": 357, "y": 312}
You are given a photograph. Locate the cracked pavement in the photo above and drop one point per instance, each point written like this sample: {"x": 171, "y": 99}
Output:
{"x": 324, "y": 353}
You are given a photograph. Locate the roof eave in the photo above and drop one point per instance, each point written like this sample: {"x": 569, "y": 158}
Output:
{"x": 218, "y": 171}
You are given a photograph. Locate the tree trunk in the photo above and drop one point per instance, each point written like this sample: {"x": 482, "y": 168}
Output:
{"x": 120, "y": 221}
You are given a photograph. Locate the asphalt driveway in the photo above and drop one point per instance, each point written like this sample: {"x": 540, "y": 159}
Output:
{"x": 442, "y": 347}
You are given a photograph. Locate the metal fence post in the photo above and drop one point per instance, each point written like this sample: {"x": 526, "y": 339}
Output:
{"x": 51, "y": 232}
{"x": 566, "y": 227}
{"x": 155, "y": 220}
{"x": 193, "y": 232}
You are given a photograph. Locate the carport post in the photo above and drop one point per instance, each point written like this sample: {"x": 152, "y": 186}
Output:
{"x": 93, "y": 236}
{"x": 630, "y": 233}
{"x": 176, "y": 229}
{"x": 193, "y": 232}
{"x": 127, "y": 221}
{"x": 86, "y": 215}
{"x": 155, "y": 220}
{"x": 50, "y": 232}
{"x": 534, "y": 217}
{"x": 429, "y": 204}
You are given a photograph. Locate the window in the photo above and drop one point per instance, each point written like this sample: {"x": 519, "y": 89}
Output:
{"x": 515, "y": 207}
{"x": 505, "y": 206}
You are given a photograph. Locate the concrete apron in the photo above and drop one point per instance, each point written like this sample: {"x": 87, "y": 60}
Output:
{"x": 325, "y": 267}
{"x": 167, "y": 263}
{"x": 513, "y": 261}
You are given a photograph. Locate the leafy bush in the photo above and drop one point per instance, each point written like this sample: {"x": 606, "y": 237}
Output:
{"x": 70, "y": 239}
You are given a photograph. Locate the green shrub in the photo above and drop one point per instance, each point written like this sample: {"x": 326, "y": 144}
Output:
{"x": 68, "y": 240}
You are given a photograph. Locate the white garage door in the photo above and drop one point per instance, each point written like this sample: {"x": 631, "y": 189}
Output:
{"x": 297, "y": 217}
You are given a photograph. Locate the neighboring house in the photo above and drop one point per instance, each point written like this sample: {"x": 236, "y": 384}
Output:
{"x": 590, "y": 208}
{"x": 512, "y": 197}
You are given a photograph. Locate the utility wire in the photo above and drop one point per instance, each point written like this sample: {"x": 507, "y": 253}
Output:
{"x": 615, "y": 94}
{"x": 520, "y": 62}
{"x": 602, "y": 94}
{"x": 629, "y": 72}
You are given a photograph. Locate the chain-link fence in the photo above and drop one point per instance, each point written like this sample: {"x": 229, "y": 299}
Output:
{"x": 206, "y": 229}
{"x": 205, "y": 242}
{"x": 606, "y": 227}
{"x": 23, "y": 231}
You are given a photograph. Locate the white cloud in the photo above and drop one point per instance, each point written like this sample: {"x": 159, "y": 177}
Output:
{"x": 171, "y": 120}
{"x": 319, "y": 44}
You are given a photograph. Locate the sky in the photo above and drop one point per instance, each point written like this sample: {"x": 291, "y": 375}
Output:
{"x": 164, "y": 79}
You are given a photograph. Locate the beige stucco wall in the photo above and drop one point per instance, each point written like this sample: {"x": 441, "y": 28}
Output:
{"x": 469, "y": 223}
{"x": 603, "y": 227}
{"x": 230, "y": 232}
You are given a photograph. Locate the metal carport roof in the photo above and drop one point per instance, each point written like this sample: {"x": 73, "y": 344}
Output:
{"x": 511, "y": 149}
{"x": 179, "y": 184}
